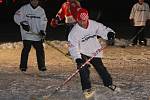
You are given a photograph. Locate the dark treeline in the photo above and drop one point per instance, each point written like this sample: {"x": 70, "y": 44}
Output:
{"x": 114, "y": 13}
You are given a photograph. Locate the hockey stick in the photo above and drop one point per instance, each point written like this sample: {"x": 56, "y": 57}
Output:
{"x": 73, "y": 74}
{"x": 50, "y": 44}
{"x": 62, "y": 24}
{"x": 131, "y": 40}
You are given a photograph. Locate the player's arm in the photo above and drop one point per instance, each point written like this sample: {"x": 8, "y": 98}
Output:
{"x": 20, "y": 19}
{"x": 74, "y": 45}
{"x": 19, "y": 16}
{"x": 106, "y": 33}
{"x": 132, "y": 14}
{"x": 59, "y": 17}
{"x": 43, "y": 24}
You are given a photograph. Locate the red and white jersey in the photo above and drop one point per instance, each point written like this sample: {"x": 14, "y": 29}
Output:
{"x": 36, "y": 19}
{"x": 85, "y": 40}
{"x": 140, "y": 13}
{"x": 68, "y": 11}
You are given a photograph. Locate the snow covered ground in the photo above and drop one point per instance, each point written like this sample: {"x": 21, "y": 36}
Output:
{"x": 129, "y": 67}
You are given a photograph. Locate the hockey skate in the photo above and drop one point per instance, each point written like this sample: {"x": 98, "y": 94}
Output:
{"x": 114, "y": 88}
{"x": 88, "y": 93}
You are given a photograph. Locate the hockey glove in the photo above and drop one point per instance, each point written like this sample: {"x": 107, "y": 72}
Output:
{"x": 42, "y": 34}
{"x": 79, "y": 62}
{"x": 132, "y": 22}
{"x": 111, "y": 38}
{"x": 25, "y": 26}
{"x": 54, "y": 22}
{"x": 148, "y": 22}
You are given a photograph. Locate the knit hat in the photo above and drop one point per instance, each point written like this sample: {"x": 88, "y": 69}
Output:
{"x": 82, "y": 14}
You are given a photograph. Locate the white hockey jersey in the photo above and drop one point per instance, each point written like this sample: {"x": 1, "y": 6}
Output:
{"x": 85, "y": 40}
{"x": 36, "y": 19}
{"x": 140, "y": 14}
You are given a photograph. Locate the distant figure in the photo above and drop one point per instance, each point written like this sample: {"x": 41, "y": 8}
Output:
{"x": 139, "y": 18}
{"x": 67, "y": 12}
{"x": 83, "y": 44}
{"x": 32, "y": 21}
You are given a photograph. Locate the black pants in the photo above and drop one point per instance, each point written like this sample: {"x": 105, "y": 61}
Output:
{"x": 101, "y": 70}
{"x": 38, "y": 45}
{"x": 139, "y": 30}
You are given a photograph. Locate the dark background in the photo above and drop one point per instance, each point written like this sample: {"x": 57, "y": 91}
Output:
{"x": 113, "y": 13}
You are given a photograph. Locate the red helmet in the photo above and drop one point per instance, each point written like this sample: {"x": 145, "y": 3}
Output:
{"x": 82, "y": 14}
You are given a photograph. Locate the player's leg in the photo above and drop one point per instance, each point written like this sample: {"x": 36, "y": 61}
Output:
{"x": 24, "y": 54}
{"x": 38, "y": 45}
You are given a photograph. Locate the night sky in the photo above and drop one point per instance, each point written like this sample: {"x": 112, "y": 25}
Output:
{"x": 113, "y": 13}
{"x": 110, "y": 10}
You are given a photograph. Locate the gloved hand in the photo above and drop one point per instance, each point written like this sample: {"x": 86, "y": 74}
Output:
{"x": 54, "y": 23}
{"x": 25, "y": 25}
{"x": 132, "y": 22}
{"x": 42, "y": 34}
{"x": 111, "y": 38}
{"x": 148, "y": 22}
{"x": 79, "y": 62}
